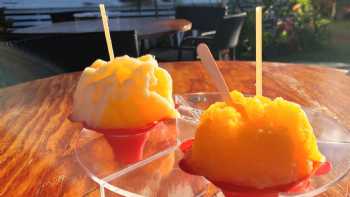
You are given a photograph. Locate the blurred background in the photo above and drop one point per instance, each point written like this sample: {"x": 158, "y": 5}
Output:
{"x": 41, "y": 38}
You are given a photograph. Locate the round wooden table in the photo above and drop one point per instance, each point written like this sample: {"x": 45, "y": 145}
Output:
{"x": 145, "y": 27}
{"x": 37, "y": 140}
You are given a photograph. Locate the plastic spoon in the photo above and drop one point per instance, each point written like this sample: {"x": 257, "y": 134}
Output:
{"x": 212, "y": 68}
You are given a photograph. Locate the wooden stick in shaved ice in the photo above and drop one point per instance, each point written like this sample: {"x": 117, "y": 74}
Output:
{"x": 258, "y": 22}
{"x": 106, "y": 30}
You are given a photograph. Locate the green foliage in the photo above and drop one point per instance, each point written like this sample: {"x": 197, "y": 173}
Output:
{"x": 289, "y": 25}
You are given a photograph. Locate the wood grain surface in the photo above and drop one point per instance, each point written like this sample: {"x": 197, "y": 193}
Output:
{"x": 37, "y": 139}
{"x": 145, "y": 27}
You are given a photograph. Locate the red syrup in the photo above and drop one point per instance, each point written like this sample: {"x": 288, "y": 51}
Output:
{"x": 232, "y": 190}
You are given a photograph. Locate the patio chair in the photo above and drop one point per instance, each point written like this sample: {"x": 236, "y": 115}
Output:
{"x": 195, "y": 14}
{"x": 76, "y": 51}
{"x": 204, "y": 18}
{"x": 222, "y": 43}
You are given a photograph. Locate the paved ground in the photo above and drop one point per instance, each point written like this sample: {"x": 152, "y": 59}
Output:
{"x": 17, "y": 66}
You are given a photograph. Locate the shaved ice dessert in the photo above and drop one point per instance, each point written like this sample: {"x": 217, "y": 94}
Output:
{"x": 268, "y": 145}
{"x": 124, "y": 99}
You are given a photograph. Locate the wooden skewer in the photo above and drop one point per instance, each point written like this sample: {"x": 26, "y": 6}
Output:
{"x": 258, "y": 22}
{"x": 106, "y": 30}
{"x": 209, "y": 63}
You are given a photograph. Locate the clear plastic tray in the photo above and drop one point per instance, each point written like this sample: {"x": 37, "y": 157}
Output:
{"x": 157, "y": 172}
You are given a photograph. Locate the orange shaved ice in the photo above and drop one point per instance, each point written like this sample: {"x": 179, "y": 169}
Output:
{"x": 272, "y": 144}
{"x": 123, "y": 93}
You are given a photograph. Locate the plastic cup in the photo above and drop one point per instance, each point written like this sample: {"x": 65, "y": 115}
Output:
{"x": 128, "y": 148}
{"x": 127, "y": 144}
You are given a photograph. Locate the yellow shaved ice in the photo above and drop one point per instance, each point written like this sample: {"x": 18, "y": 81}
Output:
{"x": 123, "y": 93}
